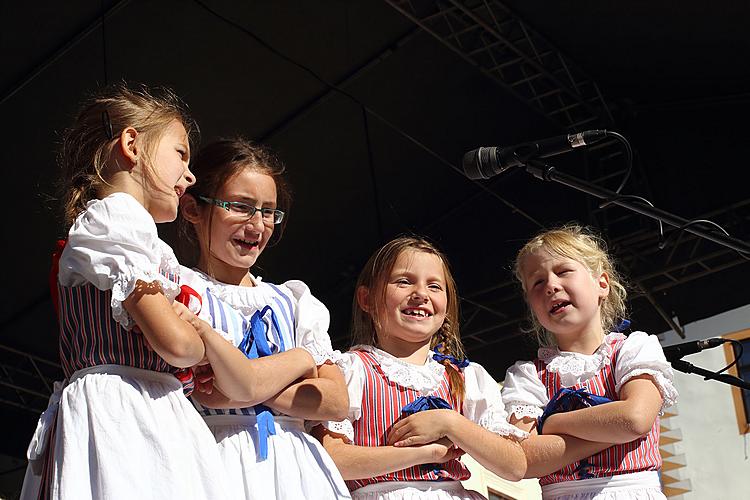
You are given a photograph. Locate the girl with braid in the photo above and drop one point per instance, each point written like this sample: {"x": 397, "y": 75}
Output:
{"x": 408, "y": 358}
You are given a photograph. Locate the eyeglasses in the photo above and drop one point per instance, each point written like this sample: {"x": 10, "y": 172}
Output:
{"x": 245, "y": 210}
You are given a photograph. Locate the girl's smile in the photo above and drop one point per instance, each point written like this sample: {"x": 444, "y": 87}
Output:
{"x": 415, "y": 298}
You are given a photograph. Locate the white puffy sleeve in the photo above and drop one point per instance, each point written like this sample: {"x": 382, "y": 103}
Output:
{"x": 312, "y": 321}
{"x": 354, "y": 374}
{"x": 523, "y": 393}
{"x": 112, "y": 245}
{"x": 641, "y": 354}
{"x": 483, "y": 403}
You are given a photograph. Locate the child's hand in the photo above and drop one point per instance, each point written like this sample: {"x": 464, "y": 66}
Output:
{"x": 421, "y": 428}
{"x": 441, "y": 451}
{"x": 186, "y": 315}
{"x": 203, "y": 376}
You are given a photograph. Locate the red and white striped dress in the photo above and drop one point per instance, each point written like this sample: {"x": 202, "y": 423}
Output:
{"x": 119, "y": 426}
{"x": 382, "y": 401}
{"x": 529, "y": 386}
{"x": 380, "y": 385}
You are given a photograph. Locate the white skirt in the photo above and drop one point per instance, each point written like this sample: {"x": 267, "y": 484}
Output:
{"x": 636, "y": 486}
{"x": 416, "y": 490}
{"x": 125, "y": 433}
{"x": 297, "y": 466}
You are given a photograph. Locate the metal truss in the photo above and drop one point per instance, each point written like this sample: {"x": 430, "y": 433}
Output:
{"x": 684, "y": 256}
{"x": 489, "y": 36}
{"x": 26, "y": 380}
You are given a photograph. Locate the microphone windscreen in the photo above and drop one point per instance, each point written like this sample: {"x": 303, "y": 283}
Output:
{"x": 477, "y": 163}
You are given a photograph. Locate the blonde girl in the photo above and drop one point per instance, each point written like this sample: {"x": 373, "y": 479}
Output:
{"x": 592, "y": 398}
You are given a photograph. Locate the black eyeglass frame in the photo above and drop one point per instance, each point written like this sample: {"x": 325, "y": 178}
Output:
{"x": 278, "y": 215}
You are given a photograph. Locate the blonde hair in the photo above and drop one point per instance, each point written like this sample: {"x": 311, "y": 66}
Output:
{"x": 88, "y": 144}
{"x": 582, "y": 245}
{"x": 374, "y": 277}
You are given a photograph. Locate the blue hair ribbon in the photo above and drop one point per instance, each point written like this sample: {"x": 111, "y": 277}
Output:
{"x": 451, "y": 359}
{"x": 255, "y": 345}
{"x": 623, "y": 325}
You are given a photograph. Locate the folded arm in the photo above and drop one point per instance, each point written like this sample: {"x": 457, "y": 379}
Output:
{"x": 250, "y": 380}
{"x": 623, "y": 421}
{"x": 169, "y": 335}
{"x": 357, "y": 462}
{"x": 551, "y": 452}
{"x": 321, "y": 398}
{"x": 499, "y": 454}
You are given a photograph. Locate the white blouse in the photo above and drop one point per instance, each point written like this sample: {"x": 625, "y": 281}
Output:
{"x": 311, "y": 317}
{"x": 641, "y": 354}
{"x": 483, "y": 403}
{"x": 112, "y": 245}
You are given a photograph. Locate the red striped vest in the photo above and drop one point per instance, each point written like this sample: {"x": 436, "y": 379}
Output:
{"x": 382, "y": 401}
{"x": 635, "y": 456}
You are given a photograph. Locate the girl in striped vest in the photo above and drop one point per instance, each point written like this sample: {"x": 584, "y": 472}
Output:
{"x": 119, "y": 426}
{"x": 276, "y": 372}
{"x": 591, "y": 399}
{"x": 407, "y": 358}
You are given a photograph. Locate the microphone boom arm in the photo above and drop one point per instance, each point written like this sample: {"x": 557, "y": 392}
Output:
{"x": 546, "y": 172}
{"x": 685, "y": 367}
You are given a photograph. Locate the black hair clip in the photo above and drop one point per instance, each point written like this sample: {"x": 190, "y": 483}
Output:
{"x": 107, "y": 124}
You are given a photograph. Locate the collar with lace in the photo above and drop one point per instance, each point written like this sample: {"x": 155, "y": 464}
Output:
{"x": 425, "y": 378}
{"x": 573, "y": 367}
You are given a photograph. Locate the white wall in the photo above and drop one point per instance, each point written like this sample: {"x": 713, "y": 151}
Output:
{"x": 715, "y": 453}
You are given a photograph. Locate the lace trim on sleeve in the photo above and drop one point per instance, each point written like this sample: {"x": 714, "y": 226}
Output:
{"x": 343, "y": 428}
{"x": 666, "y": 387}
{"x": 497, "y": 424}
{"x": 124, "y": 286}
{"x": 321, "y": 355}
{"x": 521, "y": 410}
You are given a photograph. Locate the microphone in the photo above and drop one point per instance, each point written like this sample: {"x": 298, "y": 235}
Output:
{"x": 484, "y": 163}
{"x": 677, "y": 351}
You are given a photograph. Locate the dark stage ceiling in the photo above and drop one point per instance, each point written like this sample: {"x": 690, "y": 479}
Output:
{"x": 372, "y": 104}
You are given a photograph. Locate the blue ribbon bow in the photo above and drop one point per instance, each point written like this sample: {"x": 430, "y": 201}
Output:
{"x": 566, "y": 400}
{"x": 423, "y": 403}
{"x": 442, "y": 357}
{"x": 255, "y": 345}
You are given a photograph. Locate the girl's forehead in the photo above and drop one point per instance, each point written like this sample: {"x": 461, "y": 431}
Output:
{"x": 249, "y": 180}
{"x": 412, "y": 259}
{"x": 544, "y": 257}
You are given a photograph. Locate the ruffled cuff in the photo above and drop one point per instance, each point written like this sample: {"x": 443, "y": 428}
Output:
{"x": 666, "y": 387}
{"x": 492, "y": 423}
{"x": 320, "y": 354}
{"x": 343, "y": 428}
{"x": 343, "y": 360}
{"x": 521, "y": 410}
{"x": 124, "y": 285}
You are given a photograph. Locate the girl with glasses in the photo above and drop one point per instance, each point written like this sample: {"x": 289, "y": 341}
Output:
{"x": 275, "y": 372}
